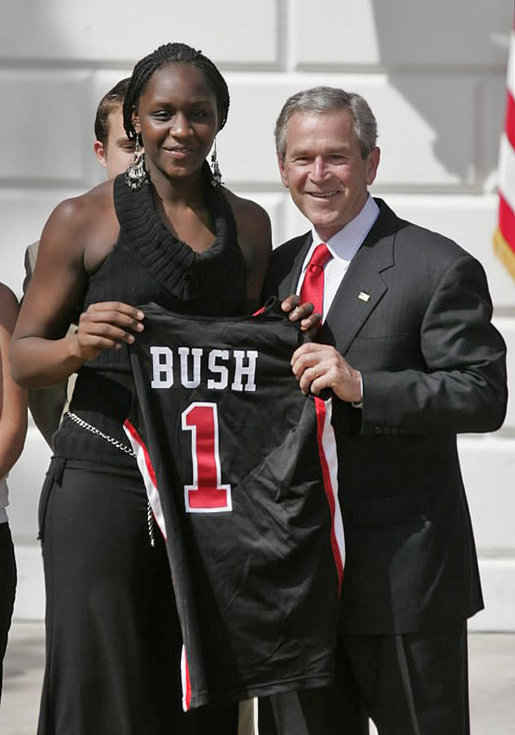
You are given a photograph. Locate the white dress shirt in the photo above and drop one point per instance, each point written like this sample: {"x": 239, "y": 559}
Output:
{"x": 343, "y": 246}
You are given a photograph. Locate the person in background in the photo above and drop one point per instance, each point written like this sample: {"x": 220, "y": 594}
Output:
{"x": 408, "y": 348}
{"x": 114, "y": 151}
{"x": 13, "y": 428}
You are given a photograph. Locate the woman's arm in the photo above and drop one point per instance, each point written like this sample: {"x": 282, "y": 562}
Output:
{"x": 42, "y": 352}
{"x": 13, "y": 399}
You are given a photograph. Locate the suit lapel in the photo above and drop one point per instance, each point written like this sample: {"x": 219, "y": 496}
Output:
{"x": 289, "y": 285}
{"x": 363, "y": 286}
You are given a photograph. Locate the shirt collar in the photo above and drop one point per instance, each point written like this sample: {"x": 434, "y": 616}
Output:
{"x": 345, "y": 243}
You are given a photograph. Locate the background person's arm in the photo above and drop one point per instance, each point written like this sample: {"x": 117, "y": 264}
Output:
{"x": 13, "y": 399}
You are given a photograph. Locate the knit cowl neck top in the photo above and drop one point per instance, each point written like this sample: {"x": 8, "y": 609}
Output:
{"x": 148, "y": 264}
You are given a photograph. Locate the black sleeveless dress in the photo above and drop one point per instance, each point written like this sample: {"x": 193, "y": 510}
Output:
{"x": 148, "y": 264}
{"x": 113, "y": 640}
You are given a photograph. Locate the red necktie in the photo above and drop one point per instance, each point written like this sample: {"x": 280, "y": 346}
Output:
{"x": 313, "y": 285}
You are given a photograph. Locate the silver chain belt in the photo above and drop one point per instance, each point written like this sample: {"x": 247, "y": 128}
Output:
{"x": 123, "y": 448}
{"x": 93, "y": 429}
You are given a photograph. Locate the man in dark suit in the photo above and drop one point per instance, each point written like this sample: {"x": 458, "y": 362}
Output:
{"x": 409, "y": 351}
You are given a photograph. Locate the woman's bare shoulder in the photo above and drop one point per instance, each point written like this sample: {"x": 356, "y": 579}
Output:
{"x": 75, "y": 211}
{"x": 252, "y": 220}
{"x": 79, "y": 223}
{"x": 247, "y": 209}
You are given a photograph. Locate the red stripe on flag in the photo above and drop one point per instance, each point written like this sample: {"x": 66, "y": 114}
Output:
{"x": 320, "y": 413}
{"x": 510, "y": 119}
{"x": 507, "y": 222}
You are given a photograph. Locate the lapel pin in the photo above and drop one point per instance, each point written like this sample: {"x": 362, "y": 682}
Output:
{"x": 363, "y": 296}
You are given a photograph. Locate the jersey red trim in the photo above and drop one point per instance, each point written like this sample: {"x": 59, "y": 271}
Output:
{"x": 325, "y": 434}
{"x": 147, "y": 472}
{"x": 185, "y": 680}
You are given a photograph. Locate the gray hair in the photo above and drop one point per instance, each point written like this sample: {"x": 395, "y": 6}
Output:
{"x": 324, "y": 100}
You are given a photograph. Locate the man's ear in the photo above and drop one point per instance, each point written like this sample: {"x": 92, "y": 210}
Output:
{"x": 282, "y": 170}
{"x": 100, "y": 152}
{"x": 372, "y": 164}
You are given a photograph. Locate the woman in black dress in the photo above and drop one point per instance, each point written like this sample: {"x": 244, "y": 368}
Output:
{"x": 166, "y": 233}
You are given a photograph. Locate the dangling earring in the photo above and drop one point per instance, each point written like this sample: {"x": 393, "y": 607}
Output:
{"x": 215, "y": 169}
{"x": 136, "y": 175}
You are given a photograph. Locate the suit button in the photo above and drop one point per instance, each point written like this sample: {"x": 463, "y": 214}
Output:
{"x": 377, "y": 430}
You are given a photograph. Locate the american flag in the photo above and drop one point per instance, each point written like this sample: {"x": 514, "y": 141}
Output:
{"x": 504, "y": 237}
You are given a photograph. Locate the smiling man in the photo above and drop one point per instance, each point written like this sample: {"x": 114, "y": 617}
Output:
{"x": 326, "y": 169}
{"x": 409, "y": 351}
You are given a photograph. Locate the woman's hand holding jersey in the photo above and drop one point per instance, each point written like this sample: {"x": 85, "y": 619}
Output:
{"x": 106, "y": 326}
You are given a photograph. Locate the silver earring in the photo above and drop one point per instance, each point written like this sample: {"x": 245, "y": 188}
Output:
{"x": 136, "y": 175}
{"x": 215, "y": 169}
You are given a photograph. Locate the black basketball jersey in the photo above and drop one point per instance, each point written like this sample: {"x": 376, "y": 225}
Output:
{"x": 241, "y": 473}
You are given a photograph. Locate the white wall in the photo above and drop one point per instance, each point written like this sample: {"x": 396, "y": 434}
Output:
{"x": 434, "y": 73}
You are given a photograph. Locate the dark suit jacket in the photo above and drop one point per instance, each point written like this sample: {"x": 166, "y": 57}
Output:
{"x": 432, "y": 366}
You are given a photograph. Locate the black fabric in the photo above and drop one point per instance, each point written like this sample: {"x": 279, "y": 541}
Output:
{"x": 209, "y": 283}
{"x": 299, "y": 713}
{"x": 148, "y": 264}
{"x": 7, "y": 589}
{"x": 253, "y": 560}
{"x": 411, "y": 684}
{"x": 113, "y": 641}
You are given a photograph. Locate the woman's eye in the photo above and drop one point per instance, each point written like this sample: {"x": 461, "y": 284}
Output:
{"x": 199, "y": 114}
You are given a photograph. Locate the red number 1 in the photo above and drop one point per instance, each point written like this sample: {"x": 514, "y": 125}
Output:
{"x": 206, "y": 494}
